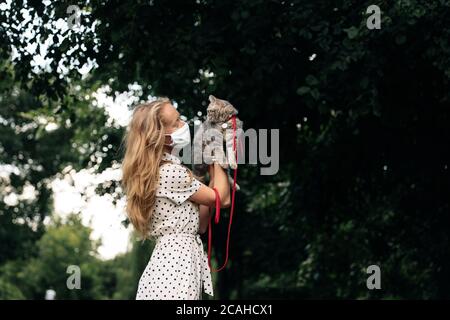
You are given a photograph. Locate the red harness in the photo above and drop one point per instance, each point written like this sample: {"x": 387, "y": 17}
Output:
{"x": 217, "y": 217}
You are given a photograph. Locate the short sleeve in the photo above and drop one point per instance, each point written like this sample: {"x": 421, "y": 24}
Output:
{"x": 176, "y": 184}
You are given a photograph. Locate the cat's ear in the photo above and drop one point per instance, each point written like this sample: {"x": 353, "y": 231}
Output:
{"x": 212, "y": 98}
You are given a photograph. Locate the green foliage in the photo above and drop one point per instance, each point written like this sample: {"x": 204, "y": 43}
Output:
{"x": 9, "y": 291}
{"x": 63, "y": 245}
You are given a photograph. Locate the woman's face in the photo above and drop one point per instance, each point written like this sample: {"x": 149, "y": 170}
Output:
{"x": 171, "y": 120}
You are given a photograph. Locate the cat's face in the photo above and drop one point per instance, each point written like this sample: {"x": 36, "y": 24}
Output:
{"x": 219, "y": 110}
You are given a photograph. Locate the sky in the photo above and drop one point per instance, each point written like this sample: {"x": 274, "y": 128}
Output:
{"x": 97, "y": 211}
{"x": 74, "y": 191}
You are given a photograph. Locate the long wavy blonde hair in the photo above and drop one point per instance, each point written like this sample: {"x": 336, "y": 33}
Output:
{"x": 144, "y": 148}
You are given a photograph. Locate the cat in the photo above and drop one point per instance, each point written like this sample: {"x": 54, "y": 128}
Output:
{"x": 206, "y": 148}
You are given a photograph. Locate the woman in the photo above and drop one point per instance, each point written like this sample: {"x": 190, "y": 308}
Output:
{"x": 165, "y": 202}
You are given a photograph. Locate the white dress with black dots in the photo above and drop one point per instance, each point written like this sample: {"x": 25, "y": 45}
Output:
{"x": 178, "y": 268}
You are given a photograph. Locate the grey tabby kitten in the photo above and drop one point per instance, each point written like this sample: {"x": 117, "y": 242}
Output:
{"x": 206, "y": 140}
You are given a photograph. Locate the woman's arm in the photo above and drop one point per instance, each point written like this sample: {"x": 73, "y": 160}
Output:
{"x": 204, "y": 211}
{"x": 221, "y": 183}
{"x": 206, "y": 196}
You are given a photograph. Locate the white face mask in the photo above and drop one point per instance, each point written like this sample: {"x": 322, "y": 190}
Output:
{"x": 180, "y": 137}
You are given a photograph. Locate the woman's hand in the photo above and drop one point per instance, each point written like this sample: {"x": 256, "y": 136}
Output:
{"x": 218, "y": 180}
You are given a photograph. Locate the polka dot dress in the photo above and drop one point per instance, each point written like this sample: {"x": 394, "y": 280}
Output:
{"x": 178, "y": 268}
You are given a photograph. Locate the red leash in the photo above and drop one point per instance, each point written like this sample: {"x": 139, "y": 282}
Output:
{"x": 217, "y": 217}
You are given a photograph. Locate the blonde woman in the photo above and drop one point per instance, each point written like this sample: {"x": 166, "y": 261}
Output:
{"x": 167, "y": 203}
